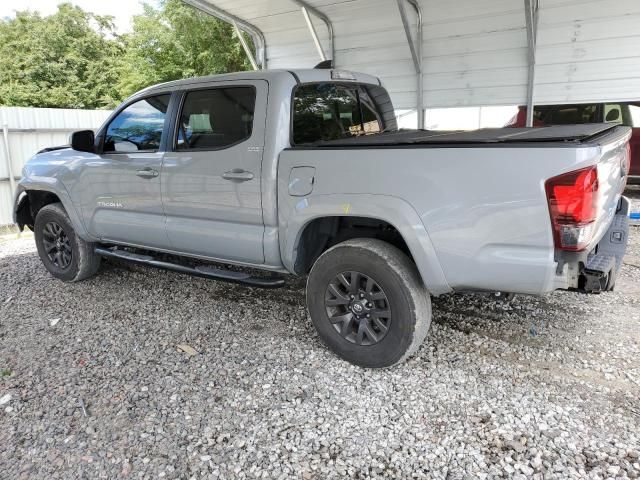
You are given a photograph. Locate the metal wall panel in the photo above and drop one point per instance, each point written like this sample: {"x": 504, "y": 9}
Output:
{"x": 474, "y": 52}
{"x": 588, "y": 51}
{"x": 32, "y": 129}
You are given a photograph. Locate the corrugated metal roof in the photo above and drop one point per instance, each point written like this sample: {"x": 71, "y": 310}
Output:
{"x": 474, "y": 52}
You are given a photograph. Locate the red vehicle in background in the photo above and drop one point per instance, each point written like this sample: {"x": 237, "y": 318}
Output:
{"x": 617, "y": 113}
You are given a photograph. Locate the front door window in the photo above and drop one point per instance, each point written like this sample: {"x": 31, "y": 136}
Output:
{"x": 138, "y": 128}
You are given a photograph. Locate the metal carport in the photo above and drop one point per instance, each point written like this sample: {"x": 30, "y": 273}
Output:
{"x": 452, "y": 53}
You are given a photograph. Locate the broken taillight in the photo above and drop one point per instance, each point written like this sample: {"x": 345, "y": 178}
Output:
{"x": 572, "y": 199}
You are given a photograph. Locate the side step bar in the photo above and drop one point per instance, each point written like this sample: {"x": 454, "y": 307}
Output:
{"x": 204, "y": 271}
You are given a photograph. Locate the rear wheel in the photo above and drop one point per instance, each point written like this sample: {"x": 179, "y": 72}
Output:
{"x": 368, "y": 303}
{"x": 65, "y": 255}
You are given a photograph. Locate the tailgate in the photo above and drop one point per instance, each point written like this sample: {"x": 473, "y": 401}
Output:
{"x": 590, "y": 216}
{"x": 613, "y": 169}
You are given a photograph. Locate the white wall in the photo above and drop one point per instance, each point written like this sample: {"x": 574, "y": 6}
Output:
{"x": 30, "y": 130}
{"x": 458, "y": 118}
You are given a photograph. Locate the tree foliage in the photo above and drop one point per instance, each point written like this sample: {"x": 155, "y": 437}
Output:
{"x": 59, "y": 60}
{"x": 75, "y": 59}
{"x": 177, "y": 41}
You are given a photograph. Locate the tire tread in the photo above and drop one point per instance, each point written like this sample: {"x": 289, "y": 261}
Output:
{"x": 88, "y": 261}
{"x": 408, "y": 275}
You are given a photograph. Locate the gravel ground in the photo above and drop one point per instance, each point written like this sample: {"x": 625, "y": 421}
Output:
{"x": 143, "y": 373}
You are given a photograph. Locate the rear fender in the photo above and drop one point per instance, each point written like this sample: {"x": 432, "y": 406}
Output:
{"x": 295, "y": 213}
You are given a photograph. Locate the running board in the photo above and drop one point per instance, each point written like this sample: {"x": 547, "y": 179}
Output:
{"x": 204, "y": 271}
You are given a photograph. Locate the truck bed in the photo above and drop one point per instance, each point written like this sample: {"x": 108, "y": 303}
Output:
{"x": 480, "y": 195}
{"x": 572, "y": 134}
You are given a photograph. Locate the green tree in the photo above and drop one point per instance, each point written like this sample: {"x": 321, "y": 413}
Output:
{"x": 177, "y": 41}
{"x": 75, "y": 59}
{"x": 63, "y": 60}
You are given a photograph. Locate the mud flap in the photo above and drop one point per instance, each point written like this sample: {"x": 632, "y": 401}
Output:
{"x": 22, "y": 213}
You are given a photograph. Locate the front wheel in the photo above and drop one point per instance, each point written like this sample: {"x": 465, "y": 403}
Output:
{"x": 65, "y": 255}
{"x": 368, "y": 303}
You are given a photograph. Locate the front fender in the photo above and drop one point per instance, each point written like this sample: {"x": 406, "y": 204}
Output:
{"x": 296, "y": 213}
{"x": 56, "y": 187}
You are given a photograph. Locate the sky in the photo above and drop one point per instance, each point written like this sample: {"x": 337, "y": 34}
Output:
{"x": 122, "y": 10}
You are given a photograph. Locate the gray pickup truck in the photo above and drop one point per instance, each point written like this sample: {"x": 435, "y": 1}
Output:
{"x": 306, "y": 173}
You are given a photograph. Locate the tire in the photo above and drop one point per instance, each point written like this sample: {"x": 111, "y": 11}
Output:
{"x": 65, "y": 255}
{"x": 398, "y": 323}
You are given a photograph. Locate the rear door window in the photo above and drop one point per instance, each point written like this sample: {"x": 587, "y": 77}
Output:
{"x": 613, "y": 114}
{"x": 329, "y": 111}
{"x": 216, "y": 118}
{"x": 622, "y": 114}
{"x": 572, "y": 114}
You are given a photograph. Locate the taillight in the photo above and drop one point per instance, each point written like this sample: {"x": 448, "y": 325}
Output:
{"x": 572, "y": 199}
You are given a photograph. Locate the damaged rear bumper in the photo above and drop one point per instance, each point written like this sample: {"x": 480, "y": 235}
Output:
{"x": 596, "y": 271}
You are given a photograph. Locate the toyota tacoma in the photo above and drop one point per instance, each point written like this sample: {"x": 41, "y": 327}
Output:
{"x": 305, "y": 173}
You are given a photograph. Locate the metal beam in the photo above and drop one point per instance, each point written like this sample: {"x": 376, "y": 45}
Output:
{"x": 415, "y": 46}
{"x": 256, "y": 34}
{"x": 309, "y": 9}
{"x": 246, "y": 48}
{"x": 314, "y": 34}
{"x": 7, "y": 156}
{"x": 531, "y": 17}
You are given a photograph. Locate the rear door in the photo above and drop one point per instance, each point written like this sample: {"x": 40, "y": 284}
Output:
{"x": 211, "y": 178}
{"x": 120, "y": 189}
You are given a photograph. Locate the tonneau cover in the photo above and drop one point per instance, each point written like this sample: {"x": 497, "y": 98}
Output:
{"x": 559, "y": 133}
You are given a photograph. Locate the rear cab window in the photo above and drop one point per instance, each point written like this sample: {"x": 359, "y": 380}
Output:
{"x": 332, "y": 111}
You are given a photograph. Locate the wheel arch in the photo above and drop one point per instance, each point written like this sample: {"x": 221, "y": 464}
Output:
{"x": 315, "y": 216}
{"x": 31, "y": 197}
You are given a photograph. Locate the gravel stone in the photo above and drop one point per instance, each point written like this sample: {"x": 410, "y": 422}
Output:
{"x": 534, "y": 388}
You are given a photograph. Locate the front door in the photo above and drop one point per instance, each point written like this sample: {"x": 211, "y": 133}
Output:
{"x": 121, "y": 186}
{"x": 211, "y": 185}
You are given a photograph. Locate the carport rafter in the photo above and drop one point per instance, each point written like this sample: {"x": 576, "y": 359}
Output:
{"x": 531, "y": 17}
{"x": 308, "y": 9}
{"x": 256, "y": 34}
{"x": 246, "y": 48}
{"x": 415, "y": 46}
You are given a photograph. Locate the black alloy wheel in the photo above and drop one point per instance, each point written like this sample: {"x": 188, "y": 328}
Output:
{"x": 367, "y": 302}
{"x": 358, "y": 308}
{"x": 63, "y": 253}
{"x": 57, "y": 245}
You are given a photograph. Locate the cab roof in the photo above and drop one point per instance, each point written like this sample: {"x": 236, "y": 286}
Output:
{"x": 308, "y": 75}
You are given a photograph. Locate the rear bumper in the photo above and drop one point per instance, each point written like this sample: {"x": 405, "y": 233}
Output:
{"x": 597, "y": 270}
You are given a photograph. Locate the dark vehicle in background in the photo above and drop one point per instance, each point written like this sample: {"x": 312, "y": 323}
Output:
{"x": 627, "y": 114}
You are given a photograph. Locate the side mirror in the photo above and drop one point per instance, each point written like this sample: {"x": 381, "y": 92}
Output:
{"x": 83, "y": 141}
{"x": 613, "y": 116}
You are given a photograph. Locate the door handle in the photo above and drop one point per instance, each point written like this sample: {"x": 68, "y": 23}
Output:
{"x": 147, "y": 173}
{"x": 237, "y": 174}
